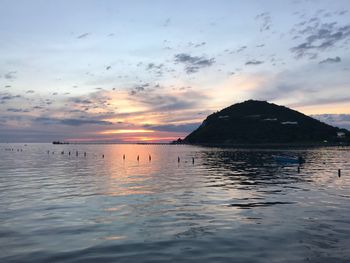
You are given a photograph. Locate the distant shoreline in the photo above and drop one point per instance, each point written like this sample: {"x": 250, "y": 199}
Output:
{"x": 227, "y": 145}
{"x": 269, "y": 145}
{"x": 217, "y": 145}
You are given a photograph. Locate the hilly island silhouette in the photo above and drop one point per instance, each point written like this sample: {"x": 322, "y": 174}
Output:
{"x": 261, "y": 122}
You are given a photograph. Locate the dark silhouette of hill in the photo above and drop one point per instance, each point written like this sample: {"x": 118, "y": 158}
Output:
{"x": 262, "y": 122}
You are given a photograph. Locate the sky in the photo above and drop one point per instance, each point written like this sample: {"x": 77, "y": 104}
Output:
{"x": 151, "y": 71}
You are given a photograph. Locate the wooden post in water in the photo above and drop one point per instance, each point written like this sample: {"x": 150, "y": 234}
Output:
{"x": 192, "y": 160}
{"x": 76, "y": 154}
{"x": 138, "y": 158}
{"x": 298, "y": 169}
{"x": 339, "y": 172}
{"x": 149, "y": 157}
{"x": 84, "y": 154}
{"x": 123, "y": 156}
{"x": 103, "y": 156}
{"x": 178, "y": 159}
{"x": 69, "y": 153}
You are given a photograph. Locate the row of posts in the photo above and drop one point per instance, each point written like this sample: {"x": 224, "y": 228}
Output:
{"x": 124, "y": 157}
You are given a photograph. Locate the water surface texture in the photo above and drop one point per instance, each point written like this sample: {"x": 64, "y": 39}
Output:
{"x": 229, "y": 205}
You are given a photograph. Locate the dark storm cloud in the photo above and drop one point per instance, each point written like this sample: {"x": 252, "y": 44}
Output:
{"x": 71, "y": 122}
{"x": 330, "y": 60}
{"x": 265, "y": 21}
{"x": 319, "y": 37}
{"x": 174, "y": 128}
{"x": 254, "y": 62}
{"x": 193, "y": 63}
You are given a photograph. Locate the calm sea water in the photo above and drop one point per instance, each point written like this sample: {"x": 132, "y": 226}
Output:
{"x": 231, "y": 205}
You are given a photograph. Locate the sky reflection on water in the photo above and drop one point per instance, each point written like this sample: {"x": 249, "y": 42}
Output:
{"x": 231, "y": 204}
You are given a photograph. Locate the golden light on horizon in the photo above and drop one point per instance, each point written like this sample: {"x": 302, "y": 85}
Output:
{"x": 122, "y": 131}
{"x": 335, "y": 108}
{"x": 148, "y": 139}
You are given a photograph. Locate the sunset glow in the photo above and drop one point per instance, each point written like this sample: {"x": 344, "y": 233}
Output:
{"x": 125, "y": 131}
{"x": 159, "y": 72}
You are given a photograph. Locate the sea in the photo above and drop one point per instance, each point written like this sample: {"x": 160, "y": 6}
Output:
{"x": 173, "y": 203}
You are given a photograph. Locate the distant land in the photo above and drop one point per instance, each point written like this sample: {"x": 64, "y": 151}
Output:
{"x": 260, "y": 122}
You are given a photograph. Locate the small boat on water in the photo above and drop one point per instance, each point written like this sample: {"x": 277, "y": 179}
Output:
{"x": 288, "y": 159}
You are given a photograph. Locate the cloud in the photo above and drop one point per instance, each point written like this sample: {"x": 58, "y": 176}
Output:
{"x": 254, "y": 62}
{"x": 306, "y": 86}
{"x": 321, "y": 100}
{"x": 81, "y": 101}
{"x": 10, "y": 75}
{"x": 319, "y": 37}
{"x": 83, "y": 35}
{"x": 265, "y": 20}
{"x": 151, "y": 66}
{"x": 338, "y": 120}
{"x": 17, "y": 110}
{"x": 330, "y": 60}
{"x": 241, "y": 49}
{"x": 38, "y": 108}
{"x": 158, "y": 69}
{"x": 196, "y": 45}
{"x": 4, "y": 97}
{"x": 189, "y": 127}
{"x": 139, "y": 88}
{"x": 200, "y": 44}
{"x": 342, "y": 12}
{"x": 193, "y": 63}
{"x": 167, "y": 22}
{"x": 71, "y": 122}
